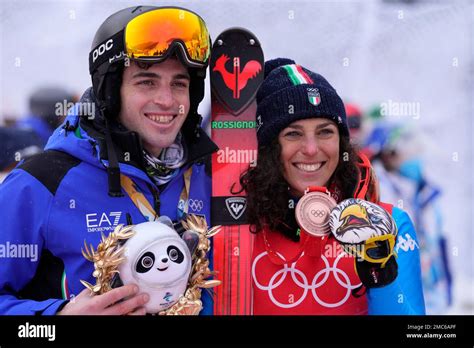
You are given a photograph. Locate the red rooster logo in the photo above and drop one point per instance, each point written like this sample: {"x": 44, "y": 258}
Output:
{"x": 237, "y": 80}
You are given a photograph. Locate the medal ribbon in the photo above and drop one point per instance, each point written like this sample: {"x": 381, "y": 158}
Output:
{"x": 311, "y": 245}
{"x": 142, "y": 203}
{"x": 183, "y": 197}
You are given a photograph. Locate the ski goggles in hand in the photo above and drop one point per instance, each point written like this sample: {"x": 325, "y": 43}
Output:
{"x": 154, "y": 35}
{"x": 377, "y": 249}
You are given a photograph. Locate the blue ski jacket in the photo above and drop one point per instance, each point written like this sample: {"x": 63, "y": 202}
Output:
{"x": 55, "y": 201}
{"x": 404, "y": 296}
{"x": 37, "y": 125}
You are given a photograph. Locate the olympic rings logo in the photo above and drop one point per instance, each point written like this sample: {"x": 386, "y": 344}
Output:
{"x": 196, "y": 204}
{"x": 303, "y": 283}
{"x": 318, "y": 213}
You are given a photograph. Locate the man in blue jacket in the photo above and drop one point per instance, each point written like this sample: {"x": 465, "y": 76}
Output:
{"x": 48, "y": 107}
{"x": 131, "y": 149}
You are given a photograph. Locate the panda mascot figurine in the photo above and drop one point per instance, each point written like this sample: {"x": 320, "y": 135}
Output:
{"x": 169, "y": 266}
{"x": 158, "y": 260}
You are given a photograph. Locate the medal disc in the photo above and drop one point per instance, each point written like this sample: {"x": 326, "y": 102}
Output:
{"x": 312, "y": 213}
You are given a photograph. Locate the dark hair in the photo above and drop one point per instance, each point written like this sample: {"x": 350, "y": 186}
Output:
{"x": 268, "y": 194}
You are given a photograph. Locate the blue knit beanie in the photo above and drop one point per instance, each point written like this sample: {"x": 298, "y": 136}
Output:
{"x": 290, "y": 93}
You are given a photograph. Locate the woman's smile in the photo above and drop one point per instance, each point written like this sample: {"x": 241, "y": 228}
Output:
{"x": 309, "y": 153}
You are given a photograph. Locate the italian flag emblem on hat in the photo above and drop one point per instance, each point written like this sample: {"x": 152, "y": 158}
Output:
{"x": 298, "y": 77}
{"x": 314, "y": 96}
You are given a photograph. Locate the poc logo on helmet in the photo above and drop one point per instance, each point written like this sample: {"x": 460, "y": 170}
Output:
{"x": 102, "y": 49}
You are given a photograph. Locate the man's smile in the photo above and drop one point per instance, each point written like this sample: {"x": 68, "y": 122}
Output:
{"x": 160, "y": 118}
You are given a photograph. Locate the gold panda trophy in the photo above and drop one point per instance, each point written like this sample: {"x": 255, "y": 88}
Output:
{"x": 109, "y": 255}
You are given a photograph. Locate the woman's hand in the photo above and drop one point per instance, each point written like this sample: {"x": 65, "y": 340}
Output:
{"x": 368, "y": 232}
{"x": 124, "y": 300}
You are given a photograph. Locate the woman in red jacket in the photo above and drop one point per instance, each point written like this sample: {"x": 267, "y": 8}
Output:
{"x": 303, "y": 146}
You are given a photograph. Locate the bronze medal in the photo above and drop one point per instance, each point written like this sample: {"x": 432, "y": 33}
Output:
{"x": 312, "y": 213}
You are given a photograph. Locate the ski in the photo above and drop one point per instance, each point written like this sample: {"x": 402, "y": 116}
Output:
{"x": 237, "y": 68}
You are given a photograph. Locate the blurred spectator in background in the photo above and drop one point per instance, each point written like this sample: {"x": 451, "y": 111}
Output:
{"x": 354, "y": 121}
{"x": 16, "y": 145}
{"x": 396, "y": 157}
{"x": 48, "y": 107}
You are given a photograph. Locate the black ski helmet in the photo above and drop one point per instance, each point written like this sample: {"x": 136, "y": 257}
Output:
{"x": 106, "y": 64}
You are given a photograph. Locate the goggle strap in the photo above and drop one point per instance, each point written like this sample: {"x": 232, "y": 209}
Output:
{"x": 365, "y": 180}
{"x": 113, "y": 46}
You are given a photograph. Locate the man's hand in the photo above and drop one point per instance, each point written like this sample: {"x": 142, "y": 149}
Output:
{"x": 130, "y": 303}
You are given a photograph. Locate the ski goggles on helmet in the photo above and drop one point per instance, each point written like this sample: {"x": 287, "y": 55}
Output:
{"x": 377, "y": 249}
{"x": 154, "y": 35}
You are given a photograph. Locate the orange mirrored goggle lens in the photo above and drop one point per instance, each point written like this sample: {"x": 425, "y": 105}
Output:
{"x": 151, "y": 34}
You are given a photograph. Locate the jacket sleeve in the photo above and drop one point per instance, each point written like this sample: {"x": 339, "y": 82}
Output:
{"x": 25, "y": 205}
{"x": 404, "y": 296}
